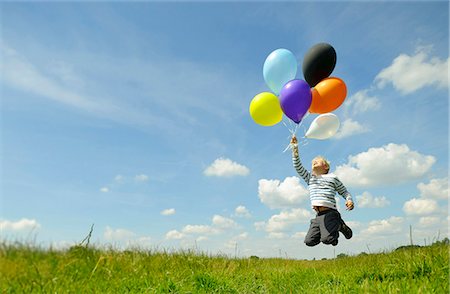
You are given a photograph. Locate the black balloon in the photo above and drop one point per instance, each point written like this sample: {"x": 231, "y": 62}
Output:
{"x": 318, "y": 63}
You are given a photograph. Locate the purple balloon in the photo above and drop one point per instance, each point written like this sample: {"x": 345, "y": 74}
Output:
{"x": 295, "y": 99}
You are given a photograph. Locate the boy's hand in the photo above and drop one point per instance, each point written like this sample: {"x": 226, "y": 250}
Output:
{"x": 294, "y": 140}
{"x": 294, "y": 145}
{"x": 349, "y": 205}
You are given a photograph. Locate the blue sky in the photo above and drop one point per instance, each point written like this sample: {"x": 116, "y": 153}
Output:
{"x": 134, "y": 117}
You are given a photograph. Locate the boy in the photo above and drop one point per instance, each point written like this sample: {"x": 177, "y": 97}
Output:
{"x": 322, "y": 187}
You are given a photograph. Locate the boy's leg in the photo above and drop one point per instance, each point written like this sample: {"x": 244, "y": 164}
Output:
{"x": 345, "y": 230}
{"x": 330, "y": 223}
{"x": 313, "y": 236}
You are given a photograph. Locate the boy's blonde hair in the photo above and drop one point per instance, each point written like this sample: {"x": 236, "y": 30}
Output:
{"x": 324, "y": 160}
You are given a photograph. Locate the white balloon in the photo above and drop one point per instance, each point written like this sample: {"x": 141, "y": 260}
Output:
{"x": 323, "y": 127}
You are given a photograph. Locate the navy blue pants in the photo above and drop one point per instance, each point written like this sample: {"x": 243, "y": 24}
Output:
{"x": 324, "y": 228}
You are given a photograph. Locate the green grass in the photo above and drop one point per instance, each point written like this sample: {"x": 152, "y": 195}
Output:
{"x": 27, "y": 269}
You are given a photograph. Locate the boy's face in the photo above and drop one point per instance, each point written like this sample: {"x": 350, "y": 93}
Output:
{"x": 319, "y": 166}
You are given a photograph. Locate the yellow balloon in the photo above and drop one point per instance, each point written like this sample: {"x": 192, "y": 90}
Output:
{"x": 265, "y": 109}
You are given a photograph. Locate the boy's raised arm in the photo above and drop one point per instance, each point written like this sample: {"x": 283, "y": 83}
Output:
{"x": 301, "y": 170}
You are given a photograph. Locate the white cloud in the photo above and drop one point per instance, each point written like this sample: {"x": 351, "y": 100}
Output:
{"x": 410, "y": 73}
{"x": 119, "y": 178}
{"x": 349, "y": 128}
{"x": 234, "y": 240}
{"x": 389, "y": 164}
{"x": 140, "y": 242}
{"x": 367, "y": 200}
{"x": 174, "y": 235}
{"x": 231, "y": 244}
{"x": 260, "y": 226}
{"x": 128, "y": 179}
{"x": 104, "y": 189}
{"x": 198, "y": 229}
{"x": 385, "y": 226}
{"x": 436, "y": 189}
{"x": 20, "y": 225}
{"x": 277, "y": 235}
{"x": 241, "y": 236}
{"x": 224, "y": 167}
{"x": 223, "y": 223}
{"x": 169, "y": 211}
{"x": 219, "y": 225}
{"x": 126, "y": 239}
{"x": 286, "y": 194}
{"x": 62, "y": 244}
{"x": 285, "y": 220}
{"x": 428, "y": 221}
{"x": 362, "y": 102}
{"x": 420, "y": 206}
{"x": 141, "y": 178}
{"x": 242, "y": 211}
{"x": 117, "y": 234}
{"x": 353, "y": 224}
{"x": 201, "y": 239}
{"x": 299, "y": 235}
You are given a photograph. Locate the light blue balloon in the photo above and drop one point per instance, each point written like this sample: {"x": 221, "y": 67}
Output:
{"x": 279, "y": 68}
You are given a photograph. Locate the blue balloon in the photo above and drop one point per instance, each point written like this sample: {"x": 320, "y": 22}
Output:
{"x": 279, "y": 68}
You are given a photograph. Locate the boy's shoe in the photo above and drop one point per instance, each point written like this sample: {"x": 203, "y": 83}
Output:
{"x": 346, "y": 231}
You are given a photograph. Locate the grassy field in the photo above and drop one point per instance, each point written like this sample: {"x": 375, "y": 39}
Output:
{"x": 25, "y": 269}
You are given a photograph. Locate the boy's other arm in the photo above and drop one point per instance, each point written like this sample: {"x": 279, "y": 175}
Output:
{"x": 345, "y": 194}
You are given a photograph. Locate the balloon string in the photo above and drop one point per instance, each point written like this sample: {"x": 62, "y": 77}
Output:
{"x": 292, "y": 128}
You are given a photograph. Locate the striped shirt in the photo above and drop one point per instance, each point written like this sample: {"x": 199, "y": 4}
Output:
{"x": 322, "y": 188}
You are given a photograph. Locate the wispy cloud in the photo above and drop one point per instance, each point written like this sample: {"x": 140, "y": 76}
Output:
{"x": 150, "y": 102}
{"x": 22, "y": 74}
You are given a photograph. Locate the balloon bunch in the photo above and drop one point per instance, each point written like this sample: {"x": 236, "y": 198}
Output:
{"x": 318, "y": 93}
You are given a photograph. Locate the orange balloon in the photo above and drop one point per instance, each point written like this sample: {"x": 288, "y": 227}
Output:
{"x": 328, "y": 95}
